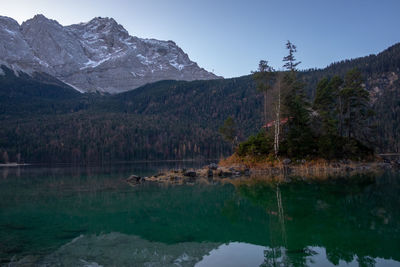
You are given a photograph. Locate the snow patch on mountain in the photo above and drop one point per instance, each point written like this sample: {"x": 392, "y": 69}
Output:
{"x": 76, "y": 88}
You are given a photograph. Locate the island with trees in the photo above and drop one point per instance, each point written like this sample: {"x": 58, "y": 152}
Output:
{"x": 336, "y": 125}
{"x": 323, "y": 137}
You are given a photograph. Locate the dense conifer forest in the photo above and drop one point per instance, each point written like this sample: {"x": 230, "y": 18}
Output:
{"x": 43, "y": 120}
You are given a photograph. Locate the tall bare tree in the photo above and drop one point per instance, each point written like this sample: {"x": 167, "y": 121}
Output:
{"x": 277, "y": 105}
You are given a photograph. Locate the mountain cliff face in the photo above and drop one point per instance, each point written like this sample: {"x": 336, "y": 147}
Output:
{"x": 15, "y": 52}
{"x": 99, "y": 55}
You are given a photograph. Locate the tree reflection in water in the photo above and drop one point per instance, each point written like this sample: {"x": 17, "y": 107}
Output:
{"x": 353, "y": 218}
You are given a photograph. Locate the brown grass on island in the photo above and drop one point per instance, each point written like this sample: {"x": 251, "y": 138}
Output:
{"x": 284, "y": 170}
{"x": 270, "y": 162}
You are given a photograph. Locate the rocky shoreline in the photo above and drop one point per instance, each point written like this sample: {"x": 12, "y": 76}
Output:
{"x": 206, "y": 174}
{"x": 214, "y": 173}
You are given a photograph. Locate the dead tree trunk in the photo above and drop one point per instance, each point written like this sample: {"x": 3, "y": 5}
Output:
{"x": 277, "y": 118}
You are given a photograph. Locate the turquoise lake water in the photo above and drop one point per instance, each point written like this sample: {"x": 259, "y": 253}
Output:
{"x": 89, "y": 216}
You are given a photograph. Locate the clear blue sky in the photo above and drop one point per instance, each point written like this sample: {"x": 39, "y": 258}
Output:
{"x": 231, "y": 36}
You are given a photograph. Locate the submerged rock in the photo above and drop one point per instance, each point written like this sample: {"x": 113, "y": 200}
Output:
{"x": 135, "y": 179}
{"x": 348, "y": 169}
{"x": 190, "y": 174}
{"x": 222, "y": 173}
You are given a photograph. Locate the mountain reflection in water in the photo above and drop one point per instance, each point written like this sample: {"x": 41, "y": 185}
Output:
{"x": 87, "y": 218}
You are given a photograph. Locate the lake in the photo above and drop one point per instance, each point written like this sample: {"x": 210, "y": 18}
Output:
{"x": 89, "y": 216}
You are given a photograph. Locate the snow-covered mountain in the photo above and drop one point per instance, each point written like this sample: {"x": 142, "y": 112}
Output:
{"x": 99, "y": 55}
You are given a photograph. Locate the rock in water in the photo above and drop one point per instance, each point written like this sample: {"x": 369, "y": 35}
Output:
{"x": 135, "y": 179}
{"x": 190, "y": 174}
{"x": 213, "y": 166}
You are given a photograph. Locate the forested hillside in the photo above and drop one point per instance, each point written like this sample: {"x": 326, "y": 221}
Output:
{"x": 49, "y": 122}
{"x": 381, "y": 75}
{"x": 23, "y": 95}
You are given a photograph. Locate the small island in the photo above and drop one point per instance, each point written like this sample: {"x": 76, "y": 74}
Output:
{"x": 329, "y": 132}
{"x": 307, "y": 137}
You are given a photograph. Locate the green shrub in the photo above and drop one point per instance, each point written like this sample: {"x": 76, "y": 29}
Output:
{"x": 256, "y": 145}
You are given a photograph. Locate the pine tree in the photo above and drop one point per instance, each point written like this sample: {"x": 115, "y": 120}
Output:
{"x": 326, "y": 106}
{"x": 264, "y": 78}
{"x": 299, "y": 139}
{"x": 229, "y": 132}
{"x": 355, "y": 101}
{"x": 290, "y": 60}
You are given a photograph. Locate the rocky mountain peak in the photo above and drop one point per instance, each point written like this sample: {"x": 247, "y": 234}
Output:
{"x": 40, "y": 17}
{"x": 53, "y": 44}
{"x": 100, "y": 29}
{"x": 40, "y": 20}
{"x": 98, "y": 55}
{"x": 104, "y": 25}
{"x": 8, "y": 23}
{"x": 103, "y": 21}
